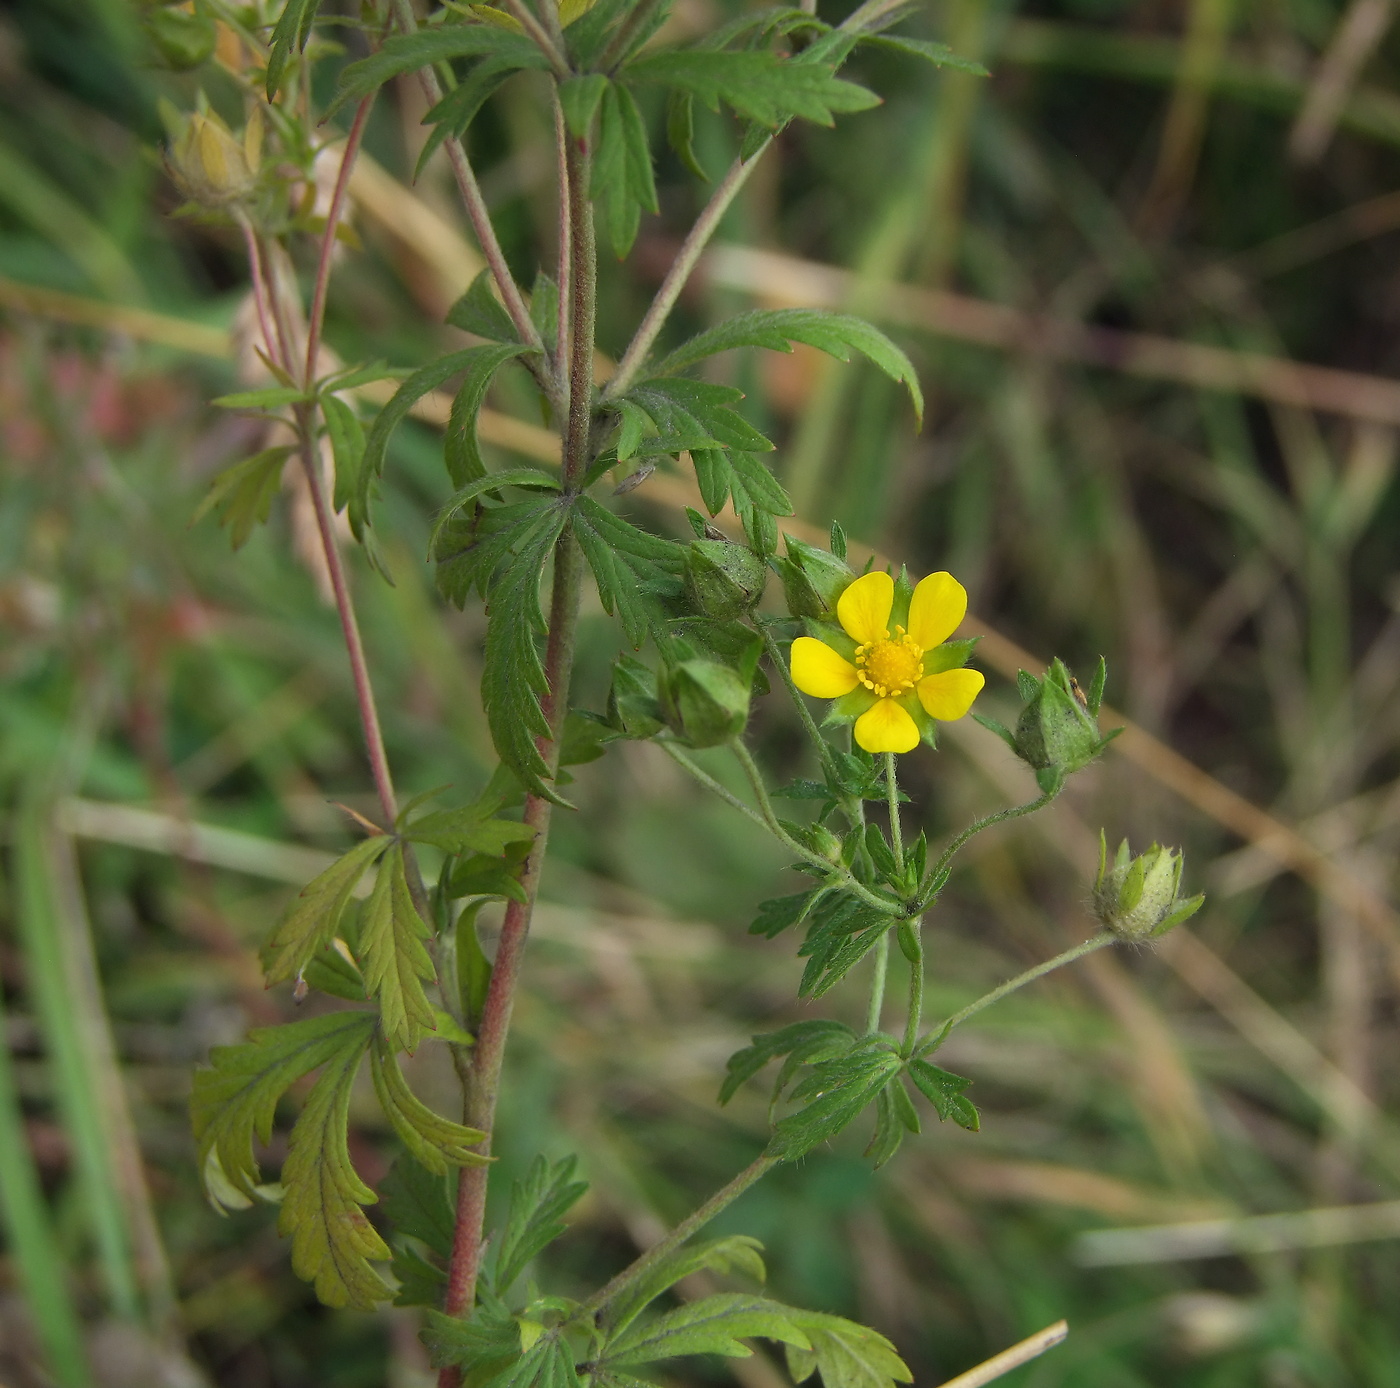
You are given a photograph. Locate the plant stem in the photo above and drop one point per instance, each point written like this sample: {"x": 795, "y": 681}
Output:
{"x": 673, "y": 751}
{"x": 892, "y": 799}
{"x": 565, "y": 277}
{"x": 489, "y": 1053}
{"x": 770, "y": 821}
{"x": 877, "y": 984}
{"x": 939, "y": 875}
{"x": 935, "y": 1039}
{"x": 542, "y": 38}
{"x": 770, "y": 645}
{"x": 681, "y": 269}
{"x": 474, "y": 203}
{"x": 350, "y": 627}
{"x": 691, "y": 1224}
{"x": 317, "y": 315}
{"x": 621, "y": 41}
{"x": 916, "y": 989}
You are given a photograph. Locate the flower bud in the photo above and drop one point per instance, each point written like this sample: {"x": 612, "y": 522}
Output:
{"x": 1058, "y": 731}
{"x": 705, "y": 702}
{"x": 212, "y": 166}
{"x": 184, "y": 39}
{"x": 633, "y": 707}
{"x": 1136, "y": 898}
{"x": 812, "y": 580}
{"x": 723, "y": 580}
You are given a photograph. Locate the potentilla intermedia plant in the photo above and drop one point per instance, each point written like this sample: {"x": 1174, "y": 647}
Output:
{"x": 881, "y": 649}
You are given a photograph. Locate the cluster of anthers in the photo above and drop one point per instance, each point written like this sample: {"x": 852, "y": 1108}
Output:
{"x": 890, "y": 665}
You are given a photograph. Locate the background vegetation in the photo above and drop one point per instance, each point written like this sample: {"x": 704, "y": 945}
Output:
{"x": 1106, "y": 259}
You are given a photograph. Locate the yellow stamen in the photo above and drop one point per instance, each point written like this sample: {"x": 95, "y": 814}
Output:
{"x": 890, "y": 665}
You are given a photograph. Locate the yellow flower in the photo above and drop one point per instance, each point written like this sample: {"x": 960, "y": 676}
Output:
{"x": 893, "y": 683}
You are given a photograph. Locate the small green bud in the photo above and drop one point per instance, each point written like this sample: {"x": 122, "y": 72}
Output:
{"x": 826, "y": 843}
{"x": 812, "y": 580}
{"x": 183, "y": 39}
{"x": 634, "y": 708}
{"x": 1137, "y": 898}
{"x": 723, "y": 580}
{"x": 705, "y": 702}
{"x": 1058, "y": 731}
{"x": 212, "y": 165}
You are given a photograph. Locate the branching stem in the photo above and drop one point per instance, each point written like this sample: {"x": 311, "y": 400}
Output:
{"x": 939, "y": 876}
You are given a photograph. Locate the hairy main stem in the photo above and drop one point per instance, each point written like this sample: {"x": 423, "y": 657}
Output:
{"x": 489, "y": 1053}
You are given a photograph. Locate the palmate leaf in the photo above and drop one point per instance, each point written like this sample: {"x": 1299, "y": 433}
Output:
{"x": 479, "y": 311}
{"x": 846, "y": 1355}
{"x": 485, "y": 1345}
{"x": 816, "y": 1037}
{"x": 310, "y": 921}
{"x": 837, "y": 334}
{"x": 722, "y": 473}
{"x": 235, "y": 1099}
{"x": 333, "y": 1242}
{"x": 420, "y": 1280}
{"x": 535, "y": 1219}
{"x": 392, "y": 955}
{"x": 513, "y": 681}
{"x": 436, "y": 1143}
{"x": 713, "y": 1325}
{"x": 631, "y": 567}
{"x": 758, "y": 85}
{"x": 466, "y": 502}
{"x": 736, "y": 1253}
{"x": 242, "y": 494}
{"x": 622, "y": 184}
{"x": 695, "y": 414}
{"x": 441, "y": 43}
{"x": 838, "y": 1090}
{"x": 844, "y": 928}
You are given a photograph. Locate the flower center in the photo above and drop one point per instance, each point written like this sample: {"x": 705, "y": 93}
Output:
{"x": 891, "y": 664}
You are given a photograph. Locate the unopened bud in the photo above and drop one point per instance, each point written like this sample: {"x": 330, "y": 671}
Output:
{"x": 705, "y": 702}
{"x": 1058, "y": 731}
{"x": 633, "y": 706}
{"x": 723, "y": 580}
{"x": 212, "y": 165}
{"x": 812, "y": 580}
{"x": 183, "y": 38}
{"x": 1137, "y": 898}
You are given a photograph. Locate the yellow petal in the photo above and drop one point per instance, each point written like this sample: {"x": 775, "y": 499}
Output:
{"x": 938, "y": 606}
{"x": 817, "y": 669}
{"x": 886, "y": 728}
{"x": 949, "y": 694}
{"x": 864, "y": 608}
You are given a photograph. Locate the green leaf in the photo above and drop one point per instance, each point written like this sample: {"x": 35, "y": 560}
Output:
{"x": 353, "y": 377}
{"x": 393, "y": 414}
{"x": 392, "y": 955}
{"x": 579, "y": 97}
{"x": 531, "y": 478}
{"x": 486, "y": 1344}
{"x": 839, "y": 1089}
{"x": 461, "y": 451}
{"x": 535, "y": 1219}
{"x": 837, "y": 334}
{"x": 713, "y": 1325}
{"x": 680, "y": 131}
{"x": 243, "y": 493}
{"x": 468, "y": 830}
{"x": 436, "y": 1143}
{"x": 479, "y": 311}
{"x": 695, "y": 414}
{"x": 420, "y": 1282}
{"x": 623, "y": 184}
{"x": 292, "y": 30}
{"x": 347, "y": 436}
{"x": 268, "y": 398}
{"x": 441, "y": 43}
{"x": 544, "y": 307}
{"x": 631, "y": 567}
{"x": 844, "y": 927}
{"x": 418, "y": 1203}
{"x": 483, "y": 876}
{"x": 310, "y": 921}
{"x": 333, "y": 1242}
{"x": 939, "y": 54}
{"x": 817, "y": 1035}
{"x": 758, "y": 85}
{"x": 236, "y": 1097}
{"x": 846, "y": 1355}
{"x": 472, "y": 542}
{"x": 778, "y": 913}
{"x": 736, "y": 1253}
{"x": 329, "y": 971}
{"x": 513, "y": 681}
{"x": 453, "y": 115}
{"x": 945, "y": 1092}
{"x": 889, "y": 1131}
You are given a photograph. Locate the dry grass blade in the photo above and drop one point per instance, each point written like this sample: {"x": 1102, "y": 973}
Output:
{"x": 1357, "y": 37}
{"x": 1032, "y": 1347}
